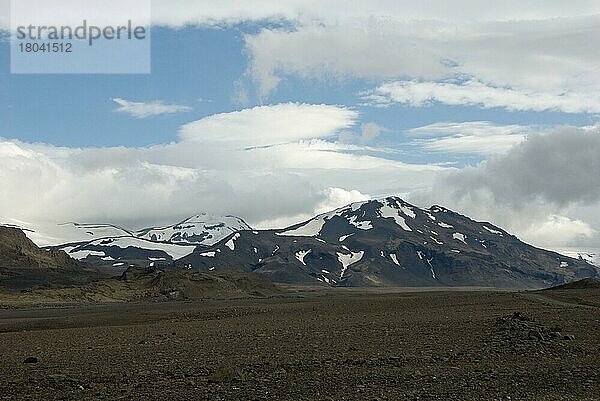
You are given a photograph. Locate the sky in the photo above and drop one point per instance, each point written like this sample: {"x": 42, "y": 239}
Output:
{"x": 277, "y": 110}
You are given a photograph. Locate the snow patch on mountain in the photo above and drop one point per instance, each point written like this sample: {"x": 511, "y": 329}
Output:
{"x": 460, "y": 237}
{"x": 348, "y": 260}
{"x": 361, "y": 225}
{"x": 84, "y": 254}
{"x": 436, "y": 240}
{"x": 390, "y": 212}
{"x": 231, "y": 243}
{"x": 92, "y": 248}
{"x": 345, "y": 237}
{"x": 93, "y": 231}
{"x": 493, "y": 231}
{"x": 300, "y": 255}
{"x": 311, "y": 229}
{"x": 431, "y": 268}
{"x": 202, "y": 229}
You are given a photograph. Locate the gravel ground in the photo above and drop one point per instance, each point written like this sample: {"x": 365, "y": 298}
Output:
{"x": 323, "y": 346}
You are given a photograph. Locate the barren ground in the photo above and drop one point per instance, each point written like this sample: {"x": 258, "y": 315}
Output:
{"x": 338, "y": 345}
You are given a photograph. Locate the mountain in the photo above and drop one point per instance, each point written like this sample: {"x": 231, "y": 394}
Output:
{"x": 382, "y": 242}
{"x": 388, "y": 242}
{"x": 23, "y": 264}
{"x": 110, "y": 245}
{"x": 203, "y": 229}
{"x": 93, "y": 231}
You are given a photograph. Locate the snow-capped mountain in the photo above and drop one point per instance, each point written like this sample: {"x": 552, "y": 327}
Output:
{"x": 126, "y": 250}
{"x": 77, "y": 231}
{"x": 68, "y": 232}
{"x": 383, "y": 242}
{"x": 390, "y": 242}
{"x": 202, "y": 229}
{"x": 111, "y": 245}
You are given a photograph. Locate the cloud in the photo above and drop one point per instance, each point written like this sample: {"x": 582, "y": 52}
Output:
{"x": 276, "y": 165}
{"x": 344, "y": 51}
{"x": 518, "y": 55}
{"x": 368, "y": 133}
{"x": 535, "y": 189}
{"x": 268, "y": 125}
{"x": 476, "y": 137}
{"x": 333, "y": 199}
{"x": 558, "y": 228}
{"x": 559, "y": 168}
{"x": 151, "y": 109}
{"x": 266, "y": 164}
{"x": 538, "y": 64}
{"x": 179, "y": 13}
{"x": 473, "y": 93}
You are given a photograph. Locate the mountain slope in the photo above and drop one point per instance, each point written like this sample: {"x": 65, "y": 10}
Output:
{"x": 389, "y": 242}
{"x": 23, "y": 264}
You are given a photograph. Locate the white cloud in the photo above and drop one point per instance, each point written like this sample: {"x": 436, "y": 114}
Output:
{"x": 264, "y": 164}
{"x": 519, "y": 55}
{"x": 150, "y": 109}
{"x": 561, "y": 229}
{"x": 543, "y": 63}
{"x": 334, "y": 199}
{"x": 178, "y": 13}
{"x": 476, "y": 137}
{"x": 340, "y": 52}
{"x": 269, "y": 125}
{"x": 473, "y": 93}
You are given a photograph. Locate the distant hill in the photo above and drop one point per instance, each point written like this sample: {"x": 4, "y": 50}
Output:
{"x": 585, "y": 284}
{"x": 188, "y": 285}
{"x": 23, "y": 264}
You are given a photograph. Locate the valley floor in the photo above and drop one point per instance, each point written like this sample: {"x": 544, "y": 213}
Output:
{"x": 341, "y": 345}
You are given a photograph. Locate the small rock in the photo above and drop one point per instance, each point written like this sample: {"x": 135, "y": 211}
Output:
{"x": 569, "y": 337}
{"x": 31, "y": 359}
{"x": 519, "y": 316}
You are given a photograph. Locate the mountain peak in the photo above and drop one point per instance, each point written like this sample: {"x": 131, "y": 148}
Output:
{"x": 212, "y": 219}
{"x": 201, "y": 229}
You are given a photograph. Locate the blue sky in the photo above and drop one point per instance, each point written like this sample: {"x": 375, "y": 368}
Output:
{"x": 200, "y": 67}
{"x": 305, "y": 107}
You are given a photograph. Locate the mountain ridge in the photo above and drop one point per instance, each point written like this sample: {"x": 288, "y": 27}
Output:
{"x": 379, "y": 242}
{"x": 389, "y": 242}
